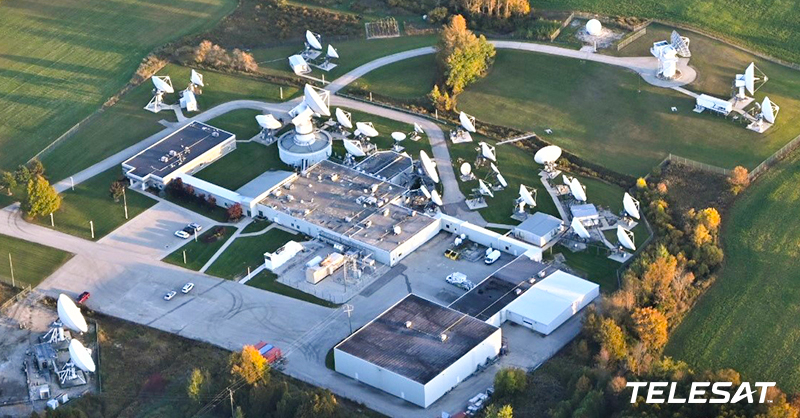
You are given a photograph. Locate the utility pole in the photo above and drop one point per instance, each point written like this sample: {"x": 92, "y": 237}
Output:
{"x": 11, "y": 266}
{"x": 184, "y": 256}
{"x": 52, "y": 222}
{"x": 125, "y": 202}
{"x": 91, "y": 225}
{"x": 348, "y": 309}
{"x": 71, "y": 180}
{"x": 233, "y": 413}
{"x": 281, "y": 93}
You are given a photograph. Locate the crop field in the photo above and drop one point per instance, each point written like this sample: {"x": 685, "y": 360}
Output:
{"x": 32, "y": 262}
{"x": 748, "y": 320}
{"x": 59, "y": 61}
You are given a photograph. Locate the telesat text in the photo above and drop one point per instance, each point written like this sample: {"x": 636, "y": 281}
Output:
{"x": 657, "y": 392}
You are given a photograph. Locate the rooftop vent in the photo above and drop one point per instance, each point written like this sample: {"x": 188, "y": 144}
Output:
{"x": 517, "y": 291}
{"x": 334, "y": 177}
{"x": 397, "y": 230}
{"x": 409, "y": 324}
{"x": 386, "y": 212}
{"x": 215, "y": 134}
{"x": 443, "y": 337}
{"x": 541, "y": 274}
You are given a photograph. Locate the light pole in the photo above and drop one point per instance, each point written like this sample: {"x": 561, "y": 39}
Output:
{"x": 11, "y": 266}
{"x": 125, "y": 202}
{"x": 184, "y": 256}
{"x": 71, "y": 180}
{"x": 52, "y": 222}
{"x": 91, "y": 225}
{"x": 348, "y": 309}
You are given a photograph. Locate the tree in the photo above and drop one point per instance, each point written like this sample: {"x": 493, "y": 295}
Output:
{"x": 41, "y": 199}
{"x": 641, "y": 183}
{"x": 738, "y": 180}
{"x": 238, "y": 413}
{"x": 8, "y": 182}
{"x": 116, "y": 190}
{"x": 198, "y": 383}
{"x": 700, "y": 235}
{"x": 320, "y": 404}
{"x": 201, "y": 51}
{"x": 510, "y": 381}
{"x": 235, "y": 212}
{"x": 438, "y": 14}
{"x": 35, "y": 167}
{"x": 651, "y": 326}
{"x": 243, "y": 61}
{"x": 23, "y": 175}
{"x": 611, "y": 337}
{"x": 496, "y": 8}
{"x": 211, "y": 201}
{"x": 493, "y": 411}
{"x": 250, "y": 365}
{"x": 462, "y": 57}
{"x": 709, "y": 217}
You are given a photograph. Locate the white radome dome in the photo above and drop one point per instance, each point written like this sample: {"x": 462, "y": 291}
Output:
{"x": 594, "y": 27}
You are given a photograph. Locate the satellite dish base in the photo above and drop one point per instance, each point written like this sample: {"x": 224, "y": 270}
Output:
{"x": 156, "y": 104}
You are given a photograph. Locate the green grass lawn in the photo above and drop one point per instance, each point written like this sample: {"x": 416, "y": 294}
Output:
{"x": 198, "y": 253}
{"x": 593, "y": 265}
{"x": 91, "y": 201}
{"x": 749, "y": 319}
{"x": 59, "y": 61}
{"x": 256, "y": 226}
{"x": 268, "y": 281}
{"x": 241, "y": 122}
{"x": 407, "y": 79}
{"x": 248, "y": 252}
{"x": 247, "y": 162}
{"x": 32, "y": 262}
{"x": 216, "y": 213}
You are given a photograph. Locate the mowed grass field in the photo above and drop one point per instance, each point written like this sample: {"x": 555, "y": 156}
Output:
{"x": 249, "y": 252}
{"x": 59, "y": 61}
{"x": 749, "y": 319}
{"x": 407, "y": 79}
{"x": 32, "y": 262}
{"x": 247, "y": 162}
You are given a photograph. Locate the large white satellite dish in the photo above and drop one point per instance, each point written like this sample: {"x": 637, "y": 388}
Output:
{"x": 425, "y": 191}
{"x": 630, "y": 205}
{"x": 367, "y": 129}
{"x": 81, "y": 356}
{"x": 769, "y": 110}
{"x": 576, "y": 188}
{"x": 484, "y": 188}
{"x": 502, "y": 180}
{"x": 750, "y": 78}
{"x": 268, "y": 122}
{"x": 163, "y": 83}
{"x": 332, "y": 52}
{"x": 315, "y": 101}
{"x": 594, "y": 27}
{"x": 680, "y": 44}
{"x": 70, "y": 315}
{"x": 418, "y": 129}
{"x": 465, "y": 169}
{"x": 398, "y": 136}
{"x": 428, "y": 166}
{"x": 625, "y": 238}
{"x": 547, "y": 155}
{"x": 494, "y": 168}
{"x": 353, "y": 148}
{"x": 579, "y": 229}
{"x": 467, "y": 121}
{"x": 526, "y": 196}
{"x": 343, "y": 117}
{"x": 487, "y": 151}
{"x": 436, "y": 198}
{"x": 197, "y": 78}
{"x": 313, "y": 40}
{"x": 566, "y": 180}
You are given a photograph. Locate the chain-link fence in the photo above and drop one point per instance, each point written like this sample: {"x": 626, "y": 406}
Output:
{"x": 774, "y": 158}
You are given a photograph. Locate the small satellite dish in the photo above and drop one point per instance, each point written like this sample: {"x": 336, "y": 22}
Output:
{"x": 630, "y": 205}
{"x": 418, "y": 129}
{"x": 315, "y": 101}
{"x": 197, "y": 78}
{"x": 465, "y": 169}
{"x": 494, "y": 168}
{"x": 343, "y": 117}
{"x": 425, "y": 191}
{"x": 526, "y": 196}
{"x": 313, "y": 40}
{"x": 467, "y": 121}
{"x": 70, "y": 315}
{"x": 594, "y": 27}
{"x": 436, "y": 198}
{"x": 769, "y": 110}
{"x": 398, "y": 136}
{"x": 484, "y": 188}
{"x": 502, "y": 180}
{"x": 81, "y": 356}
{"x": 332, "y": 52}
{"x": 625, "y": 238}
{"x": 579, "y": 229}
{"x": 487, "y": 151}
{"x": 367, "y": 129}
{"x": 577, "y": 190}
{"x": 163, "y": 83}
{"x": 547, "y": 155}
{"x": 428, "y": 166}
{"x": 268, "y": 122}
{"x": 353, "y": 148}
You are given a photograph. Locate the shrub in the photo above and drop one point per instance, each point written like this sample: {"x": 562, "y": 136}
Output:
{"x": 738, "y": 180}
{"x": 510, "y": 381}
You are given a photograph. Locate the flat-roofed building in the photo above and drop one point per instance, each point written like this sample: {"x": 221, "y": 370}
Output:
{"x": 538, "y": 229}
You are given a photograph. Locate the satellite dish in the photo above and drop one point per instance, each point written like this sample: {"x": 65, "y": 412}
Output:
{"x": 579, "y": 229}
{"x": 303, "y": 117}
{"x": 343, "y": 117}
{"x": 494, "y": 168}
{"x": 81, "y": 356}
{"x": 197, "y": 78}
{"x": 367, "y": 129}
{"x": 467, "y": 121}
{"x": 332, "y": 52}
{"x": 487, "y": 151}
{"x": 594, "y": 27}
{"x": 353, "y": 148}
{"x": 465, "y": 169}
{"x": 547, "y": 155}
{"x": 315, "y": 101}
{"x": 625, "y": 238}
{"x": 750, "y": 78}
{"x": 630, "y": 205}
{"x": 566, "y": 180}
{"x": 425, "y": 191}
{"x": 502, "y": 180}
{"x": 268, "y": 122}
{"x": 163, "y": 83}
{"x": 70, "y": 315}
{"x": 768, "y": 110}
{"x": 576, "y": 188}
{"x": 436, "y": 198}
{"x": 313, "y": 40}
{"x": 680, "y": 44}
{"x": 418, "y": 129}
{"x": 428, "y": 166}
{"x": 526, "y": 196}
{"x": 484, "y": 188}
{"x": 398, "y": 136}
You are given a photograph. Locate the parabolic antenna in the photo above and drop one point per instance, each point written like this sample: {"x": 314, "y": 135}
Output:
{"x": 313, "y": 40}
{"x": 502, "y": 180}
{"x": 268, "y": 122}
{"x": 80, "y": 356}
{"x": 428, "y": 166}
{"x": 315, "y": 101}
{"x": 467, "y": 121}
{"x": 163, "y": 83}
{"x": 398, "y": 136}
{"x": 332, "y": 52}
{"x": 418, "y": 129}
{"x": 594, "y": 27}
{"x": 630, "y": 205}
{"x": 494, "y": 168}
{"x": 367, "y": 129}
{"x": 547, "y": 155}
{"x": 484, "y": 188}
{"x": 70, "y": 315}
{"x": 526, "y": 196}
{"x": 750, "y": 78}
{"x": 465, "y": 169}
{"x": 436, "y": 198}
{"x": 625, "y": 238}
{"x": 343, "y": 117}
{"x": 576, "y": 188}
{"x": 680, "y": 44}
{"x": 487, "y": 151}
{"x": 577, "y": 226}
{"x": 425, "y": 191}
{"x": 353, "y": 148}
{"x": 768, "y": 110}
{"x": 303, "y": 116}
{"x": 566, "y": 180}
{"x": 197, "y": 78}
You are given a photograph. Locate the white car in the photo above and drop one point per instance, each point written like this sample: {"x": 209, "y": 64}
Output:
{"x": 182, "y": 234}
{"x": 187, "y": 287}
{"x": 171, "y": 294}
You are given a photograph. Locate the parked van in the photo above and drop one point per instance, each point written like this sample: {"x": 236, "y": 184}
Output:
{"x": 491, "y": 257}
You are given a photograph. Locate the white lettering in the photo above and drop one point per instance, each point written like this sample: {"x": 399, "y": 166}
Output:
{"x": 672, "y": 398}
{"x": 717, "y": 389}
{"x": 743, "y": 392}
{"x": 652, "y": 391}
{"x": 696, "y": 393}
{"x": 635, "y": 386}
{"x": 763, "y": 386}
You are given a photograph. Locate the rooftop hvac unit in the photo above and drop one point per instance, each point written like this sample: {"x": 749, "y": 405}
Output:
{"x": 386, "y": 213}
{"x": 215, "y": 134}
{"x": 397, "y": 230}
{"x": 443, "y": 337}
{"x": 517, "y": 291}
{"x": 172, "y": 153}
{"x": 368, "y": 224}
{"x": 409, "y": 324}
{"x": 334, "y": 177}
{"x": 541, "y": 274}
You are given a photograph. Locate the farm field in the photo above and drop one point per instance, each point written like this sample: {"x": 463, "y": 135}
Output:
{"x": 198, "y": 253}
{"x": 248, "y": 252}
{"x": 247, "y": 162}
{"x": 748, "y": 320}
{"x": 32, "y": 262}
{"x": 61, "y": 60}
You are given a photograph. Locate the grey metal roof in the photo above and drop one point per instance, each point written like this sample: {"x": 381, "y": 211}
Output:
{"x": 539, "y": 224}
{"x": 584, "y": 210}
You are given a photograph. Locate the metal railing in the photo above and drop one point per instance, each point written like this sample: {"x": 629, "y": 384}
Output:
{"x": 14, "y": 299}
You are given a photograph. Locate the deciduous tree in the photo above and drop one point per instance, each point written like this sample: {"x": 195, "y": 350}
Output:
{"x": 510, "y": 381}
{"x": 738, "y": 180}
{"x": 611, "y": 337}
{"x": 463, "y": 57}
{"x": 235, "y": 212}
{"x": 116, "y": 190}
{"x": 651, "y": 326}
{"x": 41, "y": 198}
{"x": 494, "y": 411}
{"x": 8, "y": 182}
{"x": 198, "y": 383}
{"x": 250, "y": 365}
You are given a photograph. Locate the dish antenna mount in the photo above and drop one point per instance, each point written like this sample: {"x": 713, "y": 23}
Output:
{"x": 162, "y": 85}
